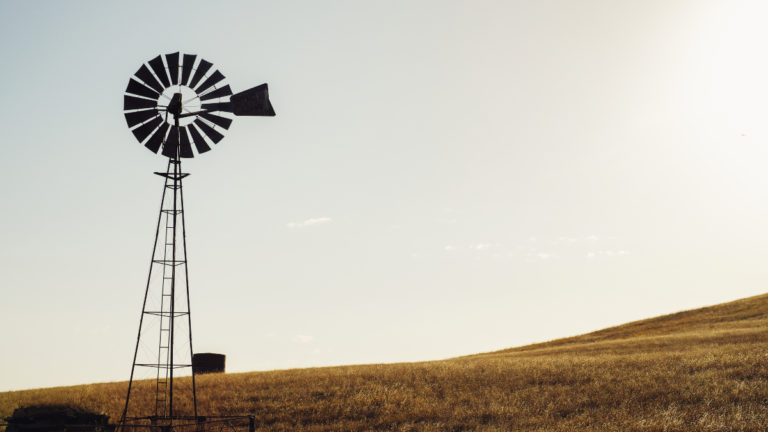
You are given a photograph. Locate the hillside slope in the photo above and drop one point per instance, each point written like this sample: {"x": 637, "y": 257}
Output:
{"x": 698, "y": 370}
{"x": 745, "y": 313}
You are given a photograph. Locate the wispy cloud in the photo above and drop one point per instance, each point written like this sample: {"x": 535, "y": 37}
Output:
{"x": 310, "y": 222}
{"x": 606, "y": 253}
{"x": 543, "y": 256}
{"x": 302, "y": 339}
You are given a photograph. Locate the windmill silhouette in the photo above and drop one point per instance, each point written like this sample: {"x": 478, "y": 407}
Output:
{"x": 180, "y": 106}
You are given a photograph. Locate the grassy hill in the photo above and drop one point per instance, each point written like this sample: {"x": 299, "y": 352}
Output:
{"x": 698, "y": 370}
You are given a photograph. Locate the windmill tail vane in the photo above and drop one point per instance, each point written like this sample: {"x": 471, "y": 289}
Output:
{"x": 179, "y": 106}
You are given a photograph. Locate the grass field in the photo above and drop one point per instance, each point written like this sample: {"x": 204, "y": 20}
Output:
{"x": 699, "y": 370}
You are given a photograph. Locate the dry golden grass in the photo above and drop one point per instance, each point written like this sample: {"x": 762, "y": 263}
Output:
{"x": 700, "y": 370}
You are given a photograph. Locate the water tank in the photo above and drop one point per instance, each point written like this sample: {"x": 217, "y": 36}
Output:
{"x": 203, "y": 363}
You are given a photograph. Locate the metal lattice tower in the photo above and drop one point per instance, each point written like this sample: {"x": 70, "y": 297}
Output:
{"x": 166, "y": 300}
{"x": 173, "y": 103}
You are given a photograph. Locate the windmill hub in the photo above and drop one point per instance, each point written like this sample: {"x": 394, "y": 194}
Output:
{"x": 186, "y": 103}
{"x": 174, "y": 106}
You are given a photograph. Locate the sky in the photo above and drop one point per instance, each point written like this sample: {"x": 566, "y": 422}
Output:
{"x": 442, "y": 178}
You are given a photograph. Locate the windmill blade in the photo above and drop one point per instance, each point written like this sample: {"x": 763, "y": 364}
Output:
{"x": 170, "y": 144}
{"x": 252, "y": 102}
{"x": 218, "y": 93}
{"x": 145, "y": 75}
{"x": 173, "y": 66}
{"x": 209, "y": 131}
{"x": 215, "y": 77}
{"x": 135, "y": 117}
{"x": 135, "y": 87}
{"x": 159, "y": 68}
{"x": 185, "y": 146}
{"x": 132, "y": 103}
{"x": 217, "y": 120}
{"x": 202, "y": 68}
{"x": 198, "y": 139}
{"x": 142, "y": 132}
{"x": 154, "y": 142}
{"x": 186, "y": 67}
{"x": 217, "y": 106}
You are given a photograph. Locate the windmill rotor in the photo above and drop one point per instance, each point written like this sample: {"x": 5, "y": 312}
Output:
{"x": 180, "y": 105}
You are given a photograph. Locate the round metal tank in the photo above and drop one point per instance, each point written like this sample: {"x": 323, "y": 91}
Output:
{"x": 203, "y": 363}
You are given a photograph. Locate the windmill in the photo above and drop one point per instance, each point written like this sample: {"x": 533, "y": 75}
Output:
{"x": 179, "y": 106}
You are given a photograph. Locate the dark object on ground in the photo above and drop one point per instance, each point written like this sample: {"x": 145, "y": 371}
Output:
{"x": 203, "y": 363}
{"x": 55, "y": 418}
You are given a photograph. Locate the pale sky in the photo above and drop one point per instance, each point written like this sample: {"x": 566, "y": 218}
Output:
{"x": 442, "y": 178}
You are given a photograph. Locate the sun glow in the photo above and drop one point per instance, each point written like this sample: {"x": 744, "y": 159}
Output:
{"x": 739, "y": 66}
